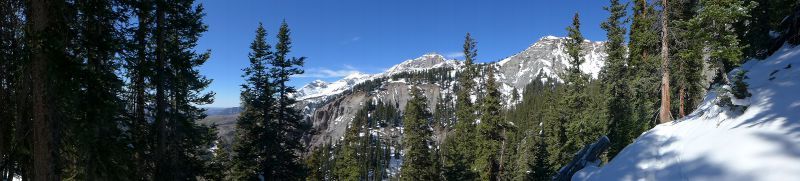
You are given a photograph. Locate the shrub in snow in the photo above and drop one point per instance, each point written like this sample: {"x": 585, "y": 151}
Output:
{"x": 724, "y": 96}
{"x": 739, "y": 86}
{"x": 734, "y": 94}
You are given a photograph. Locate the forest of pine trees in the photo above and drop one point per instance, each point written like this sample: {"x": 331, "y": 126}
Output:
{"x": 110, "y": 90}
{"x": 103, "y": 90}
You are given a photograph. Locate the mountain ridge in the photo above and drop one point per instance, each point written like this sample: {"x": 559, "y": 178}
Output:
{"x": 330, "y": 106}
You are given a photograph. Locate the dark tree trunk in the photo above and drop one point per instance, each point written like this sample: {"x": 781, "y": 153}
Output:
{"x": 161, "y": 99}
{"x": 140, "y": 121}
{"x": 682, "y": 94}
{"x": 41, "y": 15}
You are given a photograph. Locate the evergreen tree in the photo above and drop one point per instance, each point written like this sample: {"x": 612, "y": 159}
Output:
{"x": 51, "y": 91}
{"x": 417, "y": 163}
{"x": 615, "y": 76}
{"x": 319, "y": 163}
{"x": 220, "y": 164}
{"x": 716, "y": 19}
{"x": 458, "y": 148}
{"x": 15, "y": 159}
{"x": 555, "y": 131}
{"x": 269, "y": 128}
{"x": 687, "y": 60}
{"x": 139, "y": 66}
{"x": 95, "y": 139}
{"x": 491, "y": 132}
{"x": 643, "y": 70}
{"x": 575, "y": 98}
{"x": 290, "y": 125}
{"x": 254, "y": 127}
{"x": 349, "y": 160}
{"x": 315, "y": 163}
{"x": 541, "y": 168}
{"x": 754, "y": 30}
{"x": 182, "y": 145}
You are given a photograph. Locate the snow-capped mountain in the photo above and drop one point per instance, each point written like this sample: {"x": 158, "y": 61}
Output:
{"x": 319, "y": 88}
{"x": 427, "y": 61}
{"x": 330, "y": 107}
{"x": 547, "y": 56}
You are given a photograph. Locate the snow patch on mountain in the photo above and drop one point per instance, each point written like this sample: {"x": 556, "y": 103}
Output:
{"x": 319, "y": 88}
{"x": 718, "y": 143}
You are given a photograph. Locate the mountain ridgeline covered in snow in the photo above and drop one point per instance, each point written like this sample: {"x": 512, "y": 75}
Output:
{"x": 331, "y": 106}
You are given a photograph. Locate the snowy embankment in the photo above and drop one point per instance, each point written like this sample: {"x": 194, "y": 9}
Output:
{"x": 715, "y": 143}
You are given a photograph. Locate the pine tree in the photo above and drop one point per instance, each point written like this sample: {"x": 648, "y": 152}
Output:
{"x": 14, "y": 159}
{"x": 687, "y": 59}
{"x": 458, "y": 151}
{"x": 219, "y": 167}
{"x": 315, "y": 163}
{"x": 182, "y": 145}
{"x": 644, "y": 79}
{"x": 716, "y": 19}
{"x": 290, "y": 126}
{"x": 254, "y": 127}
{"x": 575, "y": 99}
{"x": 615, "y": 75}
{"x": 95, "y": 139}
{"x": 555, "y": 131}
{"x": 139, "y": 67}
{"x": 83, "y": 124}
{"x": 269, "y": 129}
{"x": 417, "y": 163}
{"x": 754, "y": 30}
{"x": 49, "y": 89}
{"x": 491, "y": 132}
{"x": 541, "y": 168}
{"x": 349, "y": 160}
{"x": 161, "y": 167}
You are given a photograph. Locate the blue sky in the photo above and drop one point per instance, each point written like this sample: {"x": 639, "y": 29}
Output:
{"x": 344, "y": 36}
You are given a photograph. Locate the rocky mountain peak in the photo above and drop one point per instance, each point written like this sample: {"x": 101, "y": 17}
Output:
{"x": 426, "y": 61}
{"x": 547, "y": 56}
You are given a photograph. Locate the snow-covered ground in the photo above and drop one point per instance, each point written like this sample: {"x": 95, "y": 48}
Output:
{"x": 714, "y": 143}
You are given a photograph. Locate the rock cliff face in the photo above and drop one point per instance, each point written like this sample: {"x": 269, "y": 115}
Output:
{"x": 330, "y": 107}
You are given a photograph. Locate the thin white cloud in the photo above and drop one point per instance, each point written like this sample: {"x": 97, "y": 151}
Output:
{"x": 328, "y": 73}
{"x": 455, "y": 55}
{"x": 351, "y": 40}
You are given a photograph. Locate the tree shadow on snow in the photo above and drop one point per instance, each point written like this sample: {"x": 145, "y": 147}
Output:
{"x": 644, "y": 160}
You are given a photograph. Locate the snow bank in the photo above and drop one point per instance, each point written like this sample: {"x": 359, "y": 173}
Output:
{"x": 715, "y": 143}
